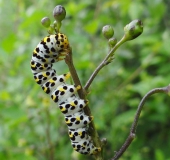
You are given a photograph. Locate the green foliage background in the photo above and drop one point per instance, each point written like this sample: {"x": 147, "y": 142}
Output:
{"x": 31, "y": 126}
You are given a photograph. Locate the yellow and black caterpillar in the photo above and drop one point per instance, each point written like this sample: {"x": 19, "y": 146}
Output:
{"x": 52, "y": 49}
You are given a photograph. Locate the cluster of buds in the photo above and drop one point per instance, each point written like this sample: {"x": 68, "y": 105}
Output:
{"x": 59, "y": 14}
{"x": 131, "y": 31}
{"x": 108, "y": 33}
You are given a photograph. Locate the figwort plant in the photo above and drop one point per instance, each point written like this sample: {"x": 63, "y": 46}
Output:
{"x": 131, "y": 31}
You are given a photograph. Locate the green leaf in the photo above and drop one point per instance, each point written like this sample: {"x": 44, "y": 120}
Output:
{"x": 91, "y": 27}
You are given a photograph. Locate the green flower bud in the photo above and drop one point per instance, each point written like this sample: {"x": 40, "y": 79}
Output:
{"x": 112, "y": 42}
{"x": 59, "y": 13}
{"x": 46, "y": 22}
{"x": 108, "y": 31}
{"x": 133, "y": 29}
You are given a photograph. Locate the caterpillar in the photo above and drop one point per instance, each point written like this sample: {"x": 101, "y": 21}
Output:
{"x": 51, "y": 49}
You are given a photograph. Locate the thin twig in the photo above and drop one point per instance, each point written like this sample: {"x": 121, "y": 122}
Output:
{"x": 136, "y": 119}
{"x": 103, "y": 63}
{"x": 82, "y": 95}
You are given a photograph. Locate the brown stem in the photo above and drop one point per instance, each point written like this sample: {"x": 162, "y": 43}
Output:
{"x": 136, "y": 119}
{"x": 82, "y": 95}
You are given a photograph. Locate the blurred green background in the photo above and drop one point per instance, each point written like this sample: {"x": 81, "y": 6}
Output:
{"x": 31, "y": 126}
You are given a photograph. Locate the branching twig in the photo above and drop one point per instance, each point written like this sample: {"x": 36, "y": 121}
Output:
{"x": 131, "y": 31}
{"x": 136, "y": 119}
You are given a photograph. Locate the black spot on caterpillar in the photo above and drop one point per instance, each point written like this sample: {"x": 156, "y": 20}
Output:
{"x": 51, "y": 49}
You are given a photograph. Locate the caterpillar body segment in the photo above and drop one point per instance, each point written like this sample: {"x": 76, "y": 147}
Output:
{"x": 72, "y": 105}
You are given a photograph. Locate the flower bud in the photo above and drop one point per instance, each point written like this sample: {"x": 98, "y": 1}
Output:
{"x": 112, "y": 42}
{"x": 133, "y": 29}
{"x": 46, "y": 22}
{"x": 108, "y": 31}
{"x": 59, "y": 13}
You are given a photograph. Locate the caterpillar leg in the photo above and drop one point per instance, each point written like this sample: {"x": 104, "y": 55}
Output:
{"x": 78, "y": 87}
{"x": 68, "y": 75}
{"x": 63, "y": 53}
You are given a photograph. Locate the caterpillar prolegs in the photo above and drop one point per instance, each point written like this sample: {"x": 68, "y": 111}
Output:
{"x": 52, "y": 49}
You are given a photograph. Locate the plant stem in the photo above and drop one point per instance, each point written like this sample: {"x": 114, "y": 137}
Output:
{"x": 136, "y": 119}
{"x": 104, "y": 62}
{"x": 82, "y": 95}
